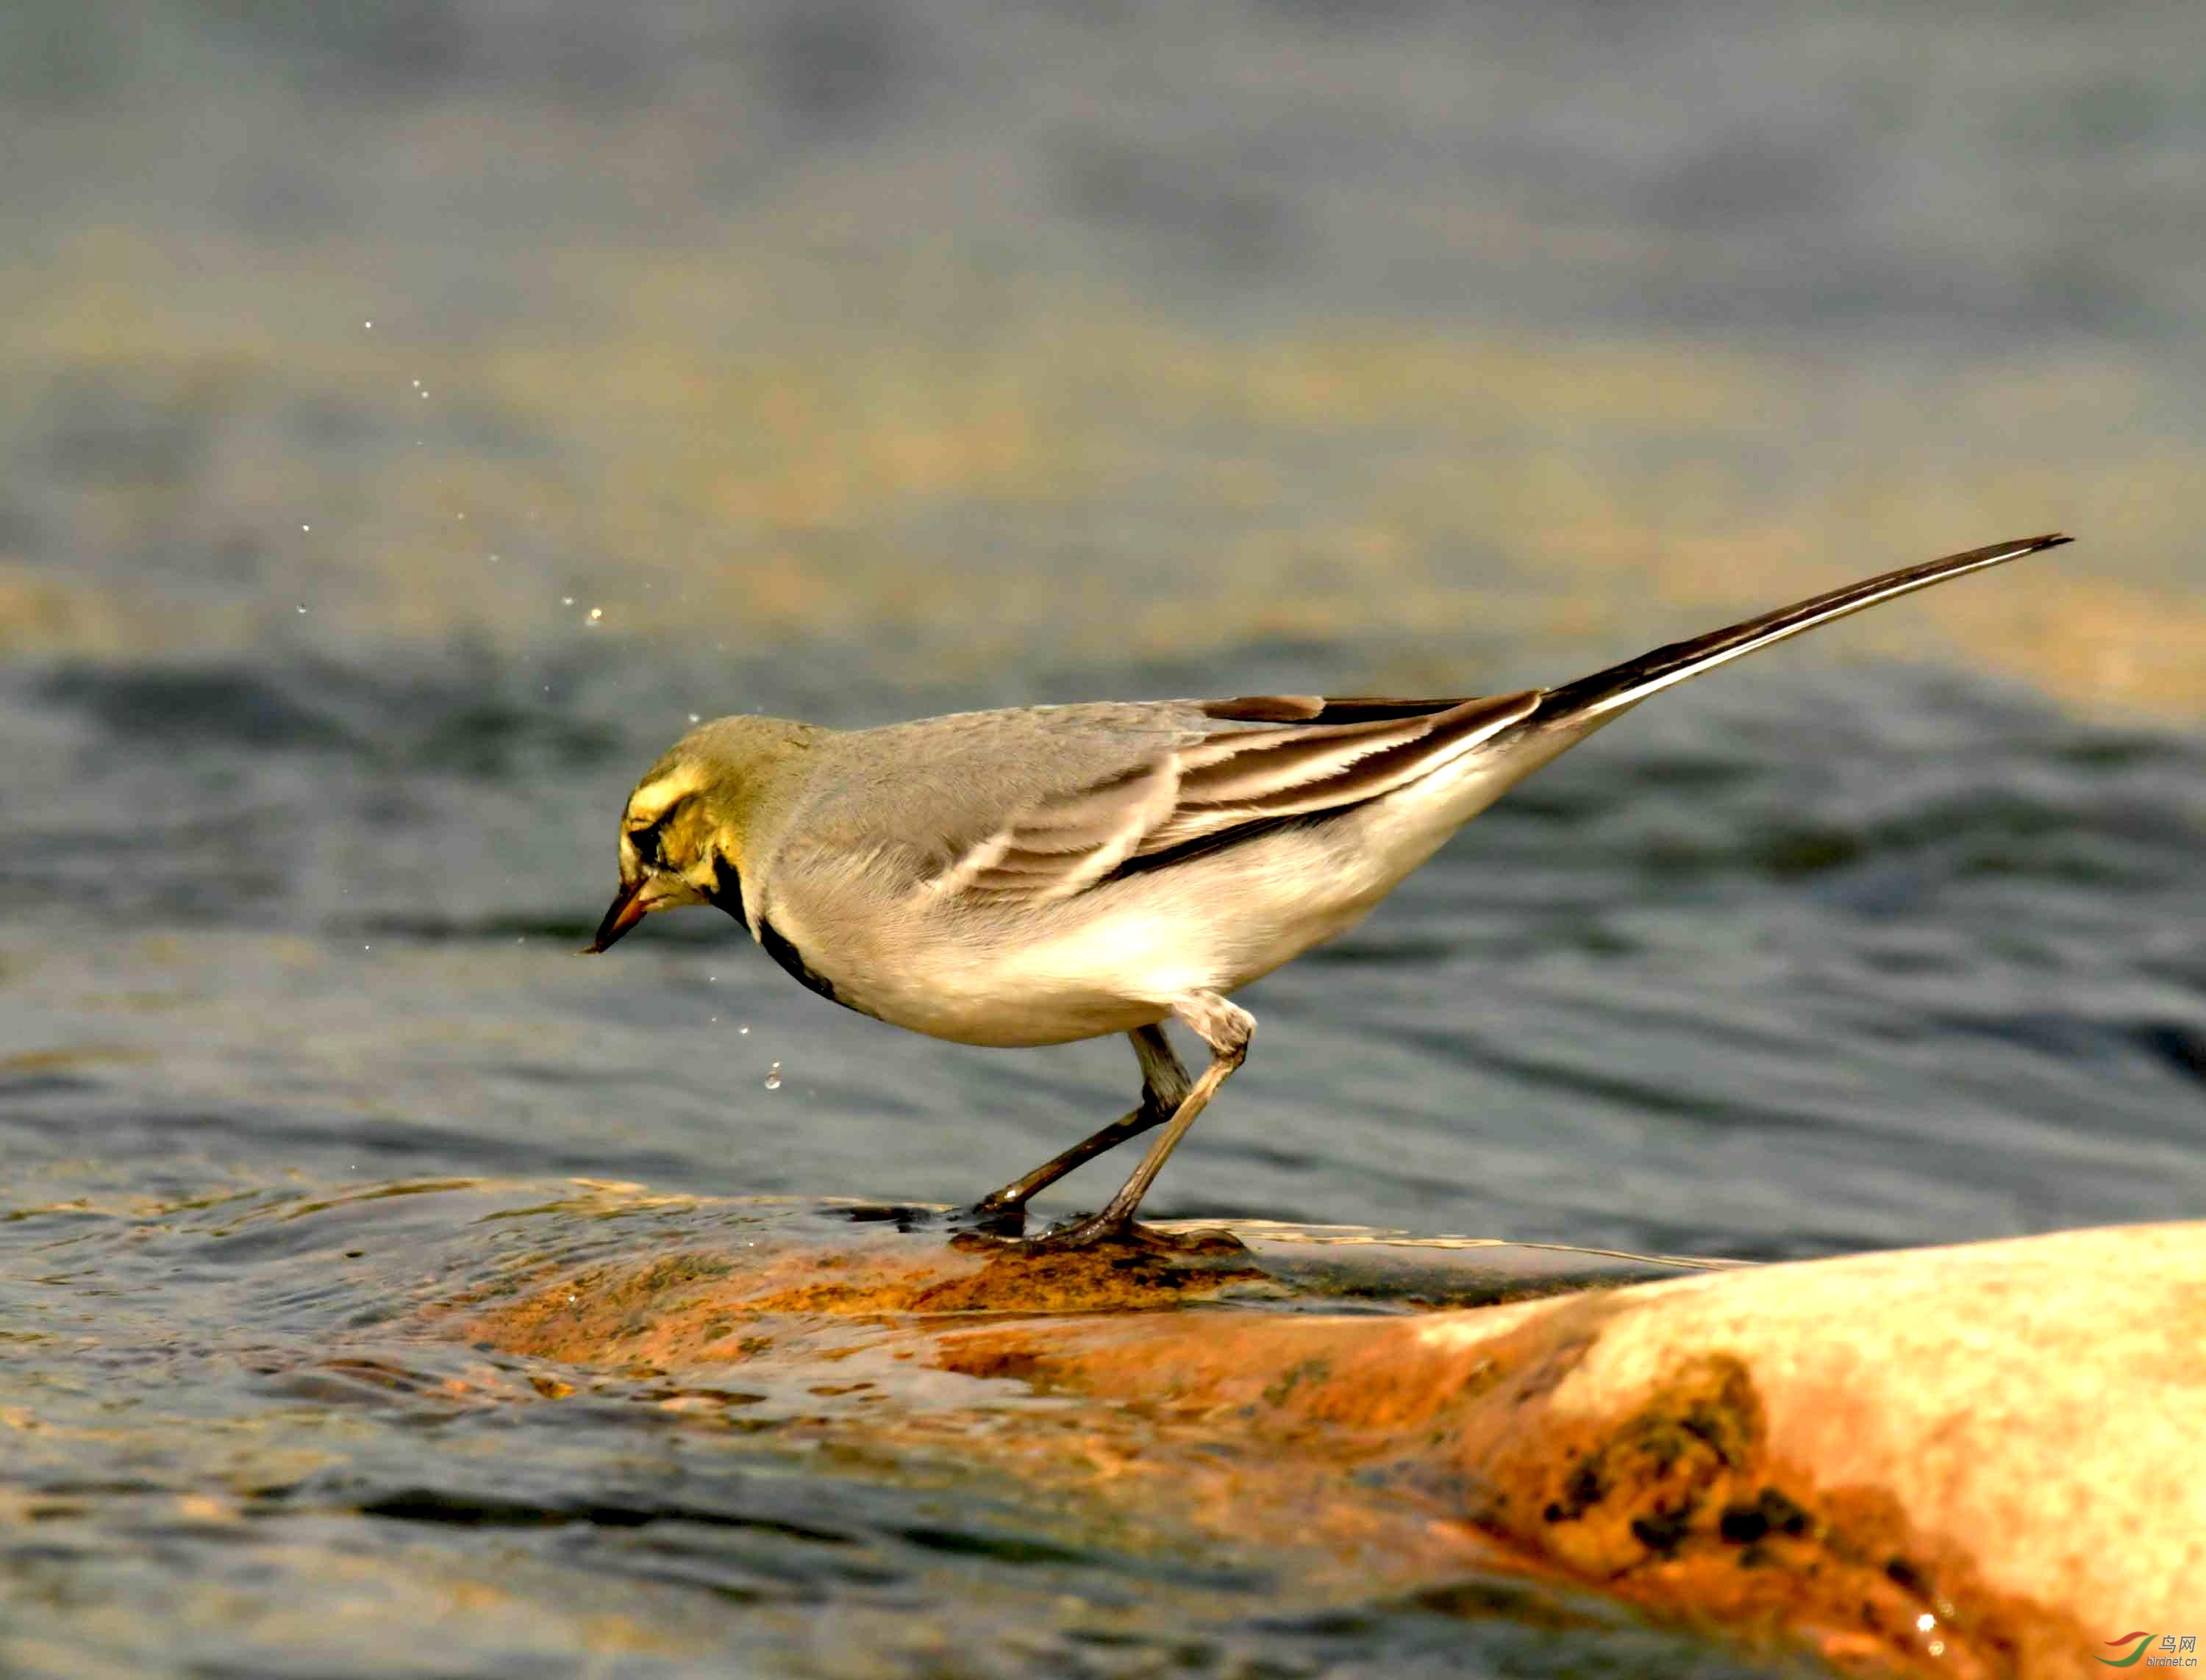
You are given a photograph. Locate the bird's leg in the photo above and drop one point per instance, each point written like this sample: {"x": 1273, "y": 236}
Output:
{"x": 1226, "y": 1028}
{"x": 1165, "y": 1085}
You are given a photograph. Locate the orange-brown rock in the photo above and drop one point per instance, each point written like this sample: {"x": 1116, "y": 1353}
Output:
{"x": 1981, "y": 1461}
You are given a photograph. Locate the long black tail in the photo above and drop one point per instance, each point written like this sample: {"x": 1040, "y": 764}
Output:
{"x": 1591, "y": 700}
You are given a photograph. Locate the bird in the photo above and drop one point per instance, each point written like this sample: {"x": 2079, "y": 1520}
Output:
{"x": 1040, "y": 874}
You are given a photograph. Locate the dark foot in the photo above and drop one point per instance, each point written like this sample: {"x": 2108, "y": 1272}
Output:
{"x": 1092, "y": 1230}
{"x": 1116, "y": 1243}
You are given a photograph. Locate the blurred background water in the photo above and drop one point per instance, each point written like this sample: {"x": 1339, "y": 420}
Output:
{"x": 411, "y": 415}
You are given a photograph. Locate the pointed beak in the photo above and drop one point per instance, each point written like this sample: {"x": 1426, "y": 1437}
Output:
{"x": 628, "y": 908}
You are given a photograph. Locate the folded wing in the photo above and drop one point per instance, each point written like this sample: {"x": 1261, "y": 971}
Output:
{"x": 1309, "y": 758}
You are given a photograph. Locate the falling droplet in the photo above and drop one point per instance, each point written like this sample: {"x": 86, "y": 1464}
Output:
{"x": 306, "y": 528}
{"x": 596, "y": 613}
{"x": 743, "y": 1029}
{"x": 773, "y": 1077}
{"x": 370, "y": 325}
{"x": 302, "y": 611}
{"x": 694, "y": 718}
{"x": 566, "y": 600}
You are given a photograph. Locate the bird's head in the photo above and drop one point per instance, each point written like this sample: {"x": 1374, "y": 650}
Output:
{"x": 684, "y": 830}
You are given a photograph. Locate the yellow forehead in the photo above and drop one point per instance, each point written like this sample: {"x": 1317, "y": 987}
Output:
{"x": 654, "y": 799}
{"x": 690, "y": 833}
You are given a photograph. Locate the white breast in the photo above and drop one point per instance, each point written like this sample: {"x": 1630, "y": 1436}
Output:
{"x": 1106, "y": 961}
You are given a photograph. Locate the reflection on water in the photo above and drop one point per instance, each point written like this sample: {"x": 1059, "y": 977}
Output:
{"x": 411, "y": 416}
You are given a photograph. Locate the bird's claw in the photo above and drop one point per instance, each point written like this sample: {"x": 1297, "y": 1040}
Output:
{"x": 1093, "y": 1231}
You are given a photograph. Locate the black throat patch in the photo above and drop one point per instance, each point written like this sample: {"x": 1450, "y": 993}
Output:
{"x": 779, "y": 948}
{"x": 728, "y": 890}
{"x": 729, "y": 896}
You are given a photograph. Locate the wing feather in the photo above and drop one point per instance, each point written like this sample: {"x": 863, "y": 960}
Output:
{"x": 1224, "y": 781}
{"x": 1066, "y": 844}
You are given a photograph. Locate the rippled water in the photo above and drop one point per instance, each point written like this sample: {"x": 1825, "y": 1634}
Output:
{"x": 251, "y": 1462}
{"x": 857, "y": 361}
{"x": 1782, "y": 965}
{"x": 296, "y": 1041}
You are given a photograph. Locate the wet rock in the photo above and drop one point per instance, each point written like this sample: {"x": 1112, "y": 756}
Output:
{"x": 1972, "y": 1461}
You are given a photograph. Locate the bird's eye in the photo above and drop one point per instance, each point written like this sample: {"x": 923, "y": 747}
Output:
{"x": 645, "y": 841}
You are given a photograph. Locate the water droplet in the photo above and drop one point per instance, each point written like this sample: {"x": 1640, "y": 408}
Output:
{"x": 743, "y": 1029}
{"x": 773, "y": 1077}
{"x": 694, "y": 718}
{"x": 596, "y": 613}
{"x": 302, "y": 611}
{"x": 566, "y": 600}
{"x": 370, "y": 325}
{"x": 306, "y": 528}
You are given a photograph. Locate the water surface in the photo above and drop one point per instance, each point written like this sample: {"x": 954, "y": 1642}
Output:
{"x": 411, "y": 416}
